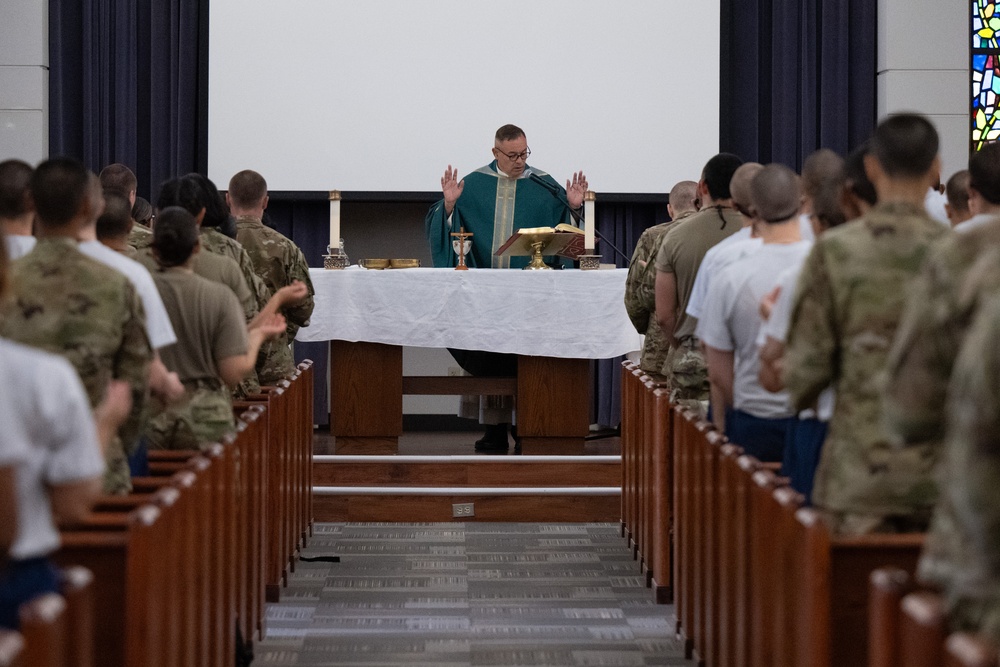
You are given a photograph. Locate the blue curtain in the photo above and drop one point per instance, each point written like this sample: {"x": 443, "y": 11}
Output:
{"x": 797, "y": 75}
{"x": 128, "y": 82}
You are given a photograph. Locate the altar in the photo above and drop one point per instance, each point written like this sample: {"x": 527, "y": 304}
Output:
{"x": 555, "y": 321}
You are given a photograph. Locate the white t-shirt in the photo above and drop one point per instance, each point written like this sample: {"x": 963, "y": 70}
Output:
{"x": 974, "y": 221}
{"x": 43, "y": 406}
{"x": 806, "y": 228}
{"x": 158, "y": 326}
{"x": 18, "y": 246}
{"x": 731, "y": 249}
{"x": 731, "y": 322}
{"x": 776, "y": 327}
{"x": 934, "y": 202}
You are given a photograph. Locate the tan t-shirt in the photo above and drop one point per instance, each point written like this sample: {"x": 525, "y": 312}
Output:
{"x": 216, "y": 268}
{"x": 684, "y": 246}
{"x": 208, "y": 321}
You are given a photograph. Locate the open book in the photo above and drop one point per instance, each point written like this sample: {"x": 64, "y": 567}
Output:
{"x": 566, "y": 241}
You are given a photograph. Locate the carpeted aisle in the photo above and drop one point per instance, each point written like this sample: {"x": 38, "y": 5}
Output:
{"x": 468, "y": 594}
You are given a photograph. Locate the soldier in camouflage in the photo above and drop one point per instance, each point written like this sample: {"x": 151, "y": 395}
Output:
{"x": 677, "y": 260}
{"x": 846, "y": 311}
{"x": 278, "y": 262}
{"x": 971, "y": 458}
{"x": 640, "y": 284}
{"x": 66, "y": 303}
{"x": 959, "y": 274}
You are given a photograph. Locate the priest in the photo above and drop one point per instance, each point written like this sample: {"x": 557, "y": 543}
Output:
{"x": 498, "y": 199}
{"x": 492, "y": 203}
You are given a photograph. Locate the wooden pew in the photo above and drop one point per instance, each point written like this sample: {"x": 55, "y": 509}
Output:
{"x": 736, "y": 472}
{"x": 43, "y": 625}
{"x": 922, "y": 630}
{"x": 685, "y": 435}
{"x": 833, "y": 588}
{"x": 76, "y": 586}
{"x": 967, "y": 650}
{"x": 11, "y": 649}
{"x": 763, "y": 574}
{"x": 886, "y": 588}
{"x": 632, "y": 423}
{"x": 661, "y": 496}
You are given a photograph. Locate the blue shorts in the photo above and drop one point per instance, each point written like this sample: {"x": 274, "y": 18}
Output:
{"x": 761, "y": 438}
{"x": 23, "y": 580}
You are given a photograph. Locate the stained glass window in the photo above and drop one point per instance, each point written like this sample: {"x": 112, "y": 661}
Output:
{"x": 985, "y": 91}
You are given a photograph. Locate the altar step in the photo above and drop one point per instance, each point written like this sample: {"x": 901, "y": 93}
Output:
{"x": 501, "y": 488}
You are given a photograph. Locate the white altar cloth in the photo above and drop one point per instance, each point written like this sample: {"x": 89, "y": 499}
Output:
{"x": 568, "y": 313}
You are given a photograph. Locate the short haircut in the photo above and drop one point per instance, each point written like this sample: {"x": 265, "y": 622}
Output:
{"x": 175, "y": 236}
{"x": 984, "y": 172}
{"x": 820, "y": 169}
{"x": 776, "y": 193}
{"x": 15, "y": 180}
{"x": 683, "y": 196}
{"x": 247, "y": 188}
{"x": 59, "y": 187}
{"x": 739, "y": 186}
{"x": 508, "y": 133}
{"x": 855, "y": 176}
{"x": 905, "y": 145}
{"x": 957, "y": 191}
{"x": 142, "y": 211}
{"x": 718, "y": 172}
{"x": 119, "y": 178}
{"x": 116, "y": 220}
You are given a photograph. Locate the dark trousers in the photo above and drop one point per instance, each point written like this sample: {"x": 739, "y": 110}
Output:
{"x": 23, "y": 580}
{"x": 486, "y": 364}
{"x": 138, "y": 461}
{"x": 761, "y": 438}
{"x": 803, "y": 449}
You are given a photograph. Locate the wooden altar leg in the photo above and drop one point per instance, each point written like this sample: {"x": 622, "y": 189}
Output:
{"x": 553, "y": 404}
{"x": 366, "y": 397}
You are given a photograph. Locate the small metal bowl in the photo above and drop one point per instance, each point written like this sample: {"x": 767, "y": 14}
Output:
{"x": 404, "y": 263}
{"x": 374, "y": 263}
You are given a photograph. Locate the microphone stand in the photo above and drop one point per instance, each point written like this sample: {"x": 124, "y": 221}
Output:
{"x": 554, "y": 191}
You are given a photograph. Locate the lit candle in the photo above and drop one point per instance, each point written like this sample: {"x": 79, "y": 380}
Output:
{"x": 589, "y": 221}
{"x": 334, "y": 220}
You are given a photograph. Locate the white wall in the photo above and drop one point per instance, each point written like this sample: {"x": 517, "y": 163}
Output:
{"x": 24, "y": 82}
{"x": 923, "y": 66}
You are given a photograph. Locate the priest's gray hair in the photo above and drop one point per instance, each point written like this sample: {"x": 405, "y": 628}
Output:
{"x": 509, "y": 133}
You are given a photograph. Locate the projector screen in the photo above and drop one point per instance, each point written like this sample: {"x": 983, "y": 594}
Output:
{"x": 382, "y": 95}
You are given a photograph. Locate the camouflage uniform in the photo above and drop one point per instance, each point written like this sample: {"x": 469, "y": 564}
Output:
{"x": 68, "y": 304}
{"x": 972, "y": 458}
{"x": 960, "y": 268}
{"x": 278, "y": 262}
{"x": 215, "y": 242}
{"x": 846, "y": 311}
{"x": 140, "y": 237}
{"x": 203, "y": 416}
{"x": 640, "y": 296}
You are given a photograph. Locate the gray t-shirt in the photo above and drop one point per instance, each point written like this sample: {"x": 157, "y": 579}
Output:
{"x": 731, "y": 322}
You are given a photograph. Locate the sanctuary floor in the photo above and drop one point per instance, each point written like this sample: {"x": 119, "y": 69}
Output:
{"x": 463, "y": 594}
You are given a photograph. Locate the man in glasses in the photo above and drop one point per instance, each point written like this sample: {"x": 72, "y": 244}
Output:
{"x": 496, "y": 200}
{"x": 492, "y": 203}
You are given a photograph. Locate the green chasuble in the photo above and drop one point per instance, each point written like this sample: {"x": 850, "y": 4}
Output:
{"x": 492, "y": 207}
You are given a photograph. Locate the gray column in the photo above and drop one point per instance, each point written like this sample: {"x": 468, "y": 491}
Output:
{"x": 923, "y": 66}
{"x": 24, "y": 80}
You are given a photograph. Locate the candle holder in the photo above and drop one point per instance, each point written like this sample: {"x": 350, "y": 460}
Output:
{"x": 336, "y": 259}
